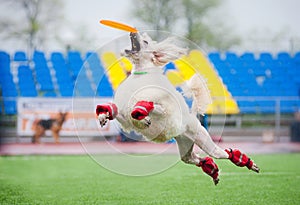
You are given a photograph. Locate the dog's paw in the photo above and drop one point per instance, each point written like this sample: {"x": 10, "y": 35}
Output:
{"x": 103, "y": 119}
{"x": 147, "y": 121}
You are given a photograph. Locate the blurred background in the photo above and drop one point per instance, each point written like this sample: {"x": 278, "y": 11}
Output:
{"x": 248, "y": 51}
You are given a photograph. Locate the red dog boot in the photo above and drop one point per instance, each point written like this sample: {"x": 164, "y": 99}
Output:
{"x": 142, "y": 110}
{"x": 241, "y": 159}
{"x": 210, "y": 167}
{"x": 105, "y": 112}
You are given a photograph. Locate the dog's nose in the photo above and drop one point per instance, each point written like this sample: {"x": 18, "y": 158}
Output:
{"x": 135, "y": 44}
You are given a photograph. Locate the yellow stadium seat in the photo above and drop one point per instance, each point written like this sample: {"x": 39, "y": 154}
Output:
{"x": 184, "y": 67}
{"x": 174, "y": 77}
{"x": 115, "y": 72}
{"x": 223, "y": 103}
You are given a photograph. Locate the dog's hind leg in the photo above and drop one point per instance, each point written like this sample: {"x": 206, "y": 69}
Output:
{"x": 185, "y": 146}
{"x": 202, "y": 138}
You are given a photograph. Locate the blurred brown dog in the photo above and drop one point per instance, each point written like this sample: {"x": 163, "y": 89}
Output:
{"x": 55, "y": 125}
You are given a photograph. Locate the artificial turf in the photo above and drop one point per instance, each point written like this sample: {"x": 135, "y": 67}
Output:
{"x": 80, "y": 180}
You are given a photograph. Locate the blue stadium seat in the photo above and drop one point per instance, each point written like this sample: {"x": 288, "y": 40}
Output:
{"x": 215, "y": 57}
{"x": 26, "y": 82}
{"x": 232, "y": 58}
{"x": 266, "y": 106}
{"x": 62, "y": 74}
{"x": 284, "y": 58}
{"x": 75, "y": 62}
{"x": 247, "y": 57}
{"x": 66, "y": 89}
{"x": 4, "y": 63}
{"x": 44, "y": 80}
{"x": 57, "y": 57}
{"x": 296, "y": 58}
{"x": 169, "y": 66}
{"x": 50, "y": 94}
{"x": 39, "y": 60}
{"x": 83, "y": 86}
{"x": 20, "y": 56}
{"x": 289, "y": 106}
{"x": 266, "y": 58}
{"x": 10, "y": 106}
{"x": 4, "y": 57}
{"x": 247, "y": 106}
{"x": 104, "y": 88}
{"x": 9, "y": 90}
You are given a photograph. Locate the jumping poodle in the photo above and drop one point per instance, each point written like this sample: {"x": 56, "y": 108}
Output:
{"x": 147, "y": 103}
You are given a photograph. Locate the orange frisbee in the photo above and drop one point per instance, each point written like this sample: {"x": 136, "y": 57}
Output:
{"x": 118, "y": 25}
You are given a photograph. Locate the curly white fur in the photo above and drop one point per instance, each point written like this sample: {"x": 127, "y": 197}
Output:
{"x": 171, "y": 116}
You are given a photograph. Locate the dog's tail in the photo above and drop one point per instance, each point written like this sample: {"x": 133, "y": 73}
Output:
{"x": 196, "y": 88}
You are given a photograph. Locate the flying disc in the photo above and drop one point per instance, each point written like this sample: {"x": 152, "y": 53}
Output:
{"x": 118, "y": 25}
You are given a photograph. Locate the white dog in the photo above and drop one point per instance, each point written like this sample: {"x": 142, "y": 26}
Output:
{"x": 148, "y": 103}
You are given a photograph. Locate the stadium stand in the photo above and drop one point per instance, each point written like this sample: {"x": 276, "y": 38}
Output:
{"x": 264, "y": 76}
{"x": 247, "y": 83}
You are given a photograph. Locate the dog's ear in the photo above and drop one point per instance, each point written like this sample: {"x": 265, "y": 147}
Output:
{"x": 166, "y": 51}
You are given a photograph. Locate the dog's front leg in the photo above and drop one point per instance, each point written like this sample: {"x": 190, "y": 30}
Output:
{"x": 105, "y": 112}
{"x": 55, "y": 135}
{"x": 142, "y": 109}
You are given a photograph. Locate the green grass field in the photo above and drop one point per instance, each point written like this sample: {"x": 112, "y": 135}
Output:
{"x": 80, "y": 180}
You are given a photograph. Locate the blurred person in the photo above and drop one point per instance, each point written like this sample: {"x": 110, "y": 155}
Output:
{"x": 295, "y": 127}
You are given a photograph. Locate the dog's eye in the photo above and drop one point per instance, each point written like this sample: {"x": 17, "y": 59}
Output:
{"x": 146, "y": 42}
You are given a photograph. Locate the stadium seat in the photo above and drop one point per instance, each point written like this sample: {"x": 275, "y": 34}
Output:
{"x": 169, "y": 66}
{"x": 75, "y": 62}
{"x": 284, "y": 58}
{"x": 83, "y": 86}
{"x": 104, "y": 88}
{"x": 57, "y": 57}
{"x": 232, "y": 58}
{"x": 4, "y": 63}
{"x": 26, "y": 82}
{"x": 44, "y": 80}
{"x": 113, "y": 68}
{"x": 8, "y": 86}
{"x": 39, "y": 59}
{"x": 95, "y": 66}
{"x": 174, "y": 77}
{"x": 4, "y": 57}
{"x": 10, "y": 91}
{"x": 10, "y": 106}
{"x": 20, "y": 56}
{"x": 266, "y": 58}
{"x": 296, "y": 58}
{"x": 66, "y": 90}
{"x": 49, "y": 94}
